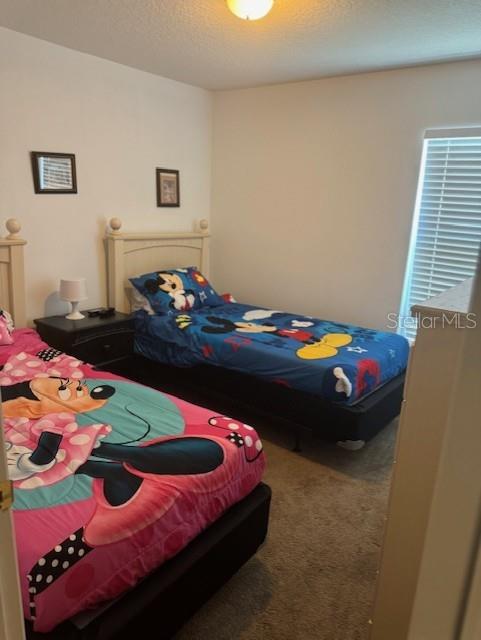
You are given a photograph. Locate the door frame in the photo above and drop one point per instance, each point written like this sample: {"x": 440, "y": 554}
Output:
{"x": 12, "y": 625}
{"x": 451, "y": 557}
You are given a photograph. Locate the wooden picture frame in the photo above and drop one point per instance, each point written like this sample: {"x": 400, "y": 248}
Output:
{"x": 53, "y": 172}
{"x": 168, "y": 187}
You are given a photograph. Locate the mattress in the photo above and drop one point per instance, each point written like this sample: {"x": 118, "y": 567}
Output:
{"x": 337, "y": 362}
{"x": 111, "y": 478}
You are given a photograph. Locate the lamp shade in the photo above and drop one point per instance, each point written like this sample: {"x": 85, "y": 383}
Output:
{"x": 73, "y": 289}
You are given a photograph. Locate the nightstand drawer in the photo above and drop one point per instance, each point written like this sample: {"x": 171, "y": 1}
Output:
{"x": 104, "y": 348}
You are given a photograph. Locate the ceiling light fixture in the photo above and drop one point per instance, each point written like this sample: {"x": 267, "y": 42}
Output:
{"x": 250, "y": 9}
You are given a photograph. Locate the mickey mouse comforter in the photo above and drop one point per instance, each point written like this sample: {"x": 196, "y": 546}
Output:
{"x": 111, "y": 478}
{"x": 335, "y": 361}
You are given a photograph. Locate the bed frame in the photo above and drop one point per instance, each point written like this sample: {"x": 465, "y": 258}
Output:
{"x": 130, "y": 254}
{"x": 171, "y": 594}
{"x": 12, "y": 273}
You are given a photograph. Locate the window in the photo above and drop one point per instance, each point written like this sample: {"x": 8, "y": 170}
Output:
{"x": 446, "y": 233}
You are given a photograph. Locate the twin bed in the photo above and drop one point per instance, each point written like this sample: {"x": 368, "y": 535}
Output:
{"x": 343, "y": 382}
{"x": 117, "y": 486}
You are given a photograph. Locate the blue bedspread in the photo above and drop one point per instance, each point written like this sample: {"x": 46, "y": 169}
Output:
{"x": 338, "y": 362}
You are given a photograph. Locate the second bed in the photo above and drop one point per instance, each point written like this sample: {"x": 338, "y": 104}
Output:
{"x": 343, "y": 382}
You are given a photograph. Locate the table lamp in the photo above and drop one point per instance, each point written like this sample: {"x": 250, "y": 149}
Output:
{"x": 73, "y": 290}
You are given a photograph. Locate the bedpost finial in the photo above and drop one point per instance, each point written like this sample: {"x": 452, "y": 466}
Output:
{"x": 115, "y": 224}
{"x": 13, "y": 228}
{"x": 204, "y": 224}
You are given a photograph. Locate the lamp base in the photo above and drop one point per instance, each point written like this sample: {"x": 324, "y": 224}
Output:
{"x": 75, "y": 313}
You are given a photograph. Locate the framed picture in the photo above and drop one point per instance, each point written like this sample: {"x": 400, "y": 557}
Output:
{"x": 54, "y": 172}
{"x": 168, "y": 188}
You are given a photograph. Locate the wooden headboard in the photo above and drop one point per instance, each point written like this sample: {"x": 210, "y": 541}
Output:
{"x": 12, "y": 273}
{"x": 132, "y": 254}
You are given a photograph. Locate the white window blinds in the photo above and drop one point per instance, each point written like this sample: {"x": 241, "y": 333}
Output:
{"x": 447, "y": 223}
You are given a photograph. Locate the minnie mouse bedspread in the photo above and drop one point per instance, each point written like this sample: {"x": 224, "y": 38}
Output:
{"x": 335, "y": 361}
{"x": 111, "y": 478}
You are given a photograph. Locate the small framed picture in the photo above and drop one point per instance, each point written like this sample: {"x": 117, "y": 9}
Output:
{"x": 54, "y": 172}
{"x": 168, "y": 188}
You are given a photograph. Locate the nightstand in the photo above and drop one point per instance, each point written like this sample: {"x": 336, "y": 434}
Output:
{"x": 98, "y": 341}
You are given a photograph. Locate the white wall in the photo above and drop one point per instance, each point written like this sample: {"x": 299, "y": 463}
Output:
{"x": 313, "y": 182}
{"x": 314, "y": 185}
{"x": 121, "y": 123}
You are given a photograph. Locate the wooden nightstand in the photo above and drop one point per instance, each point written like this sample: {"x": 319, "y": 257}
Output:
{"x": 98, "y": 341}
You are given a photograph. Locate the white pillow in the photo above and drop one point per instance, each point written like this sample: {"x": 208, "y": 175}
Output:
{"x": 138, "y": 301}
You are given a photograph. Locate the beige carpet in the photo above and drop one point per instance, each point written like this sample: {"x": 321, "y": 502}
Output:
{"x": 315, "y": 576}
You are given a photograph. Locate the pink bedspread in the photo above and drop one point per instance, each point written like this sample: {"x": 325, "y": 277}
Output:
{"x": 111, "y": 478}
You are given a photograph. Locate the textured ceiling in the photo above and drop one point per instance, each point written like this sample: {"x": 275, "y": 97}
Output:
{"x": 202, "y": 43}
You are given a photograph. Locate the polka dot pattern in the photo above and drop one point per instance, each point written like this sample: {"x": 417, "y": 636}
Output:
{"x": 76, "y": 445}
{"x": 240, "y": 434}
{"x": 48, "y": 362}
{"x": 48, "y": 354}
{"x": 54, "y": 564}
{"x": 236, "y": 439}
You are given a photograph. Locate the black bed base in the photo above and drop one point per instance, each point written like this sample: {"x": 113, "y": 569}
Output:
{"x": 172, "y": 594}
{"x": 242, "y": 396}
